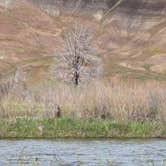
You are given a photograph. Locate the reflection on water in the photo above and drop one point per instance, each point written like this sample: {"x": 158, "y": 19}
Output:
{"x": 83, "y": 152}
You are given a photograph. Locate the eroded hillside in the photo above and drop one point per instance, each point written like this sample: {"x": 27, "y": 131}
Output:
{"x": 129, "y": 35}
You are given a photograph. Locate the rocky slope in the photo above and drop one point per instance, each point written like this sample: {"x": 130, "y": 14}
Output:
{"x": 129, "y": 35}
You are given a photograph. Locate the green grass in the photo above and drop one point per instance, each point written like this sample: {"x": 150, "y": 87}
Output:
{"x": 67, "y": 128}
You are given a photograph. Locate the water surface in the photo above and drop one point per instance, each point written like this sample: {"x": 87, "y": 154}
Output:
{"x": 83, "y": 152}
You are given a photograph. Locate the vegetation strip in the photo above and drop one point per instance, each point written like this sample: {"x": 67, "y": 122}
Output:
{"x": 68, "y": 128}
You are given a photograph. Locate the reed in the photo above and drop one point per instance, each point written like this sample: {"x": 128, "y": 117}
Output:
{"x": 122, "y": 101}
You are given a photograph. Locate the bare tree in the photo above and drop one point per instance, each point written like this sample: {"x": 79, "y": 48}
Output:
{"x": 78, "y": 61}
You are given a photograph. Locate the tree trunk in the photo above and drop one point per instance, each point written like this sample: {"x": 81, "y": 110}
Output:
{"x": 76, "y": 78}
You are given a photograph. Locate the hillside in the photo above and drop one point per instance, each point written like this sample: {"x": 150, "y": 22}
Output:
{"x": 130, "y": 39}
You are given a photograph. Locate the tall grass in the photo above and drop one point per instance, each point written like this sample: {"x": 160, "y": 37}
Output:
{"x": 120, "y": 101}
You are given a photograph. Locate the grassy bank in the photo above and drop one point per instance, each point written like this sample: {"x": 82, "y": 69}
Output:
{"x": 116, "y": 109}
{"x": 67, "y": 128}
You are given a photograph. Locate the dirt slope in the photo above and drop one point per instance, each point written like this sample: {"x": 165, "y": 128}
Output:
{"x": 131, "y": 39}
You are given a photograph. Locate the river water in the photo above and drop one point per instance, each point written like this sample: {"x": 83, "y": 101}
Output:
{"x": 83, "y": 152}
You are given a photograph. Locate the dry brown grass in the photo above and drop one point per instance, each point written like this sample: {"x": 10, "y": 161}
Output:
{"x": 119, "y": 102}
{"x": 122, "y": 101}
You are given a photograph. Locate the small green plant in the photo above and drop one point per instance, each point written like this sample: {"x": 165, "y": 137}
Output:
{"x": 147, "y": 67}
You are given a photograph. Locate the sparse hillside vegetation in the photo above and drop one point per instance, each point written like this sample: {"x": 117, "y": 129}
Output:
{"x": 126, "y": 37}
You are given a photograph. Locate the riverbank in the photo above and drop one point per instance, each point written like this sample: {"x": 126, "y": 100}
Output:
{"x": 67, "y": 128}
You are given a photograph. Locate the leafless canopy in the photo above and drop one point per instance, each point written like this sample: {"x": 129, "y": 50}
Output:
{"x": 77, "y": 62}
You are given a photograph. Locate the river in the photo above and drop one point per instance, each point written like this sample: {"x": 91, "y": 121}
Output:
{"x": 83, "y": 152}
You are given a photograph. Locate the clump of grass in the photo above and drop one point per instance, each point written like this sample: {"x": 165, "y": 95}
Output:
{"x": 147, "y": 67}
